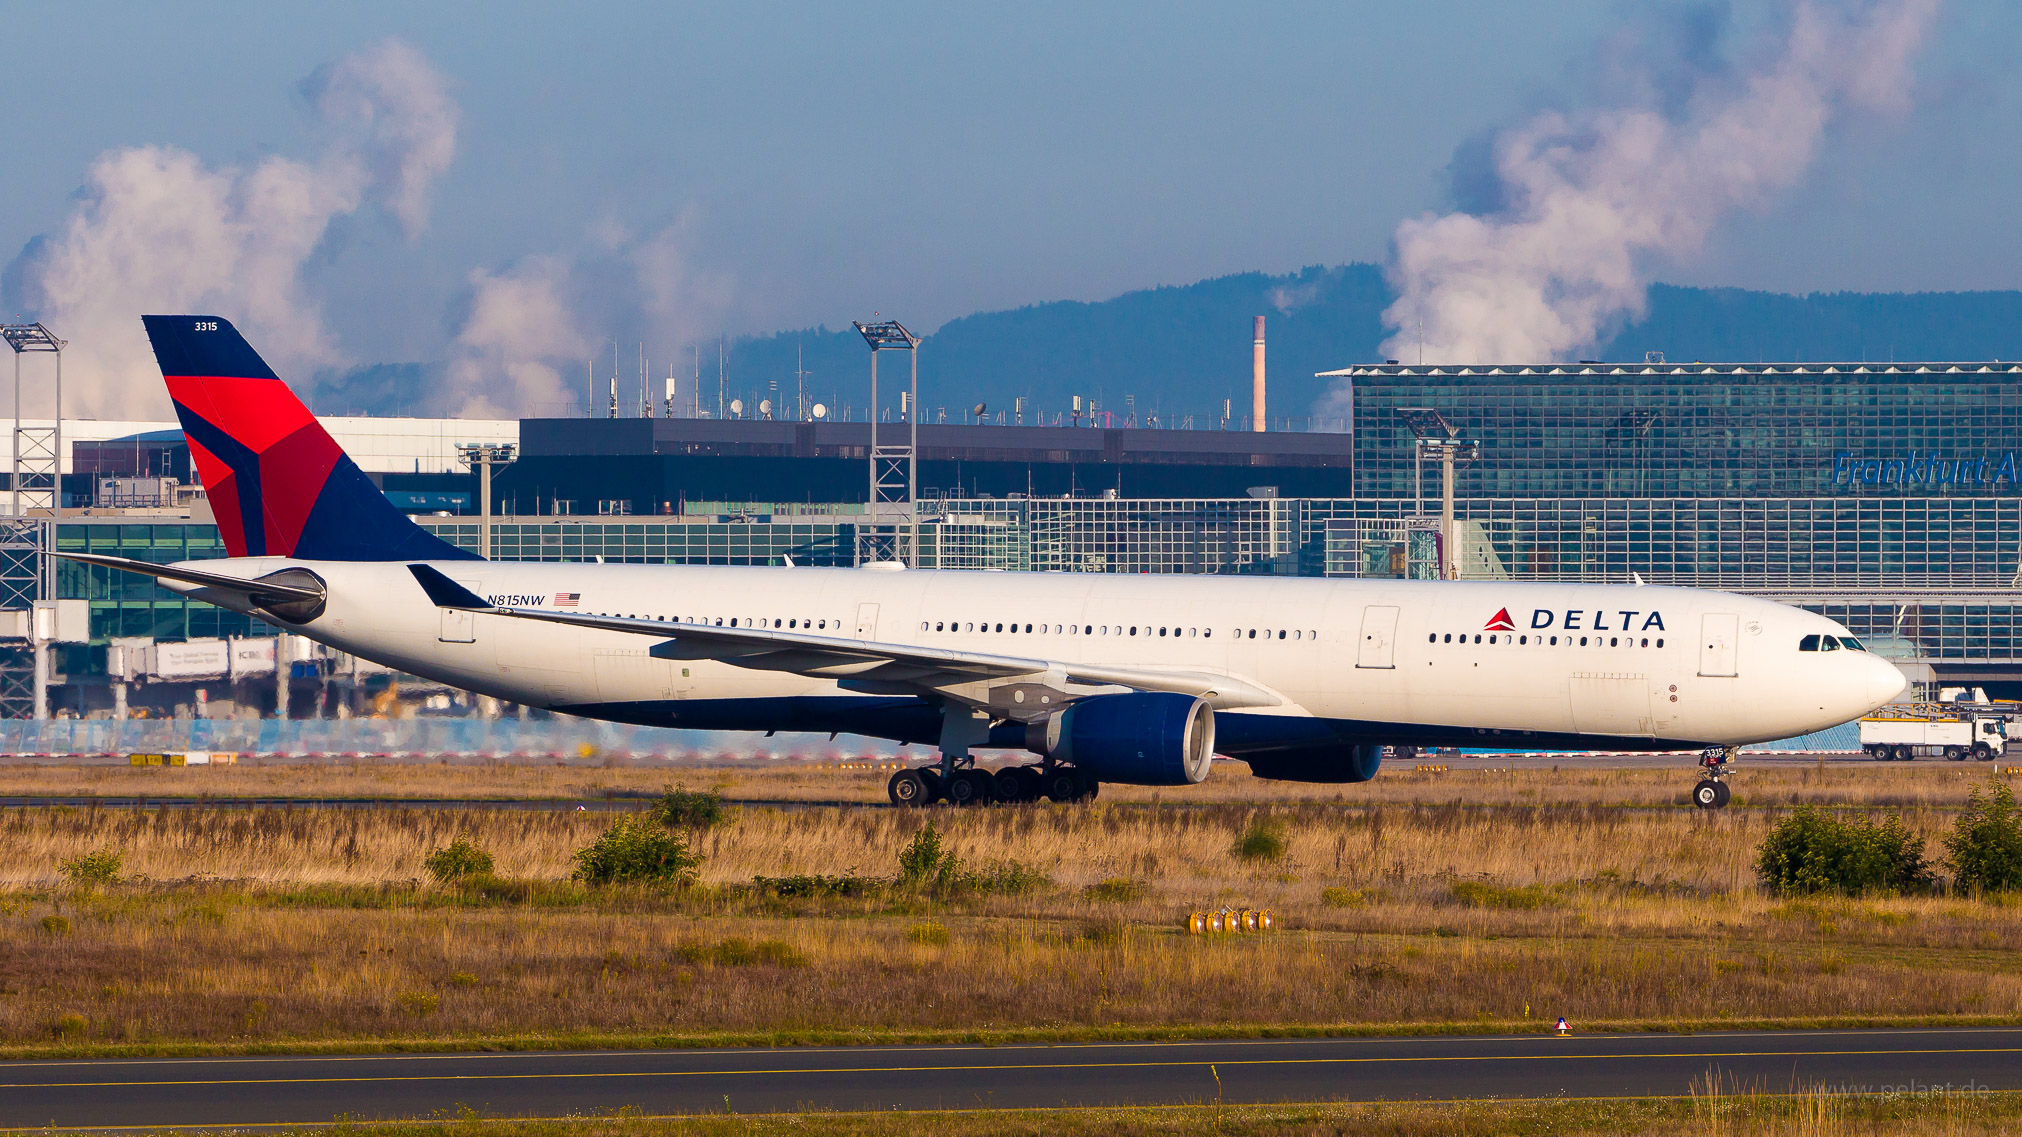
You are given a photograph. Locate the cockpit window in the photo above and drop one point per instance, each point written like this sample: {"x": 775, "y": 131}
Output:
{"x": 1828, "y": 643}
{"x": 1851, "y": 644}
{"x": 1808, "y": 643}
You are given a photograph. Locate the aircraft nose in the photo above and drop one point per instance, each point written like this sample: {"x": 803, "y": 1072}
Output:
{"x": 1885, "y": 681}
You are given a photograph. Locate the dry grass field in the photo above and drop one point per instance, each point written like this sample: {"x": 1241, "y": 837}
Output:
{"x": 1804, "y": 1114}
{"x": 1573, "y": 781}
{"x": 296, "y": 926}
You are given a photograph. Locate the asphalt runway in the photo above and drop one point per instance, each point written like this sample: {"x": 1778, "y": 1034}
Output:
{"x": 283, "y": 1090}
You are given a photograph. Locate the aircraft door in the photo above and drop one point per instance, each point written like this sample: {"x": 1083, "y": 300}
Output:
{"x": 1719, "y": 644}
{"x": 867, "y": 621}
{"x": 1379, "y": 637}
{"x": 459, "y": 627}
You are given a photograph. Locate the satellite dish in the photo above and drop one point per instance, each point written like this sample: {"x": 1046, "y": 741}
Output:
{"x": 765, "y": 407}
{"x": 980, "y": 408}
{"x": 820, "y": 410}
{"x": 737, "y": 406}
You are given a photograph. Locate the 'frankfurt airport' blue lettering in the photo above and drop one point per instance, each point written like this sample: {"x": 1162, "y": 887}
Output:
{"x": 1926, "y": 470}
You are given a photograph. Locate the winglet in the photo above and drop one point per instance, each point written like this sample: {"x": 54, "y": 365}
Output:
{"x": 446, "y": 593}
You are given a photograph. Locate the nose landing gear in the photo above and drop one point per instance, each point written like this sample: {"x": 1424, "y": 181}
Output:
{"x": 1712, "y": 791}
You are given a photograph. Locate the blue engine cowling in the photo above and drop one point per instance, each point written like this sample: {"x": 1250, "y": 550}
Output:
{"x": 1335, "y": 765}
{"x": 1146, "y": 739}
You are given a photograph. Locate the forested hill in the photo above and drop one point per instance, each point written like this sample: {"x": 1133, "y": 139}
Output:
{"x": 1183, "y": 349}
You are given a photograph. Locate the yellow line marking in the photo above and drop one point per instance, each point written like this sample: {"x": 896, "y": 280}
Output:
{"x": 584, "y": 1075}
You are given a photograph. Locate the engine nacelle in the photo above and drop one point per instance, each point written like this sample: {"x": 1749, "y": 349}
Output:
{"x": 1334, "y": 766}
{"x": 1147, "y": 739}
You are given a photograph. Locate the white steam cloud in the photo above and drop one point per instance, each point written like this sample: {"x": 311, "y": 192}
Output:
{"x": 156, "y": 230}
{"x": 1588, "y": 197}
{"x": 523, "y": 350}
{"x": 393, "y": 116}
{"x": 520, "y": 328}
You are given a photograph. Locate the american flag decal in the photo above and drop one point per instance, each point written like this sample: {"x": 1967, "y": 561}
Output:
{"x": 567, "y": 599}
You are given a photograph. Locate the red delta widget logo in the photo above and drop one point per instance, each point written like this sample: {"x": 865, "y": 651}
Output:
{"x": 1581, "y": 620}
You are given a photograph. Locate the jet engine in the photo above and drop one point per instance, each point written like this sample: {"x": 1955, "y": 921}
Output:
{"x": 1145, "y": 739}
{"x": 1334, "y": 765}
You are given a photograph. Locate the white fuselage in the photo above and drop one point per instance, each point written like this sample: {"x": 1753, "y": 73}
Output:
{"x": 1400, "y": 661}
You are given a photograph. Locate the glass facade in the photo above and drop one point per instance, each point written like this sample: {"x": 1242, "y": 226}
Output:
{"x": 1930, "y": 576}
{"x": 1701, "y": 430}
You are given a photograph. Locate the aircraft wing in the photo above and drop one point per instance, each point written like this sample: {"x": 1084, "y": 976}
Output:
{"x": 1019, "y": 687}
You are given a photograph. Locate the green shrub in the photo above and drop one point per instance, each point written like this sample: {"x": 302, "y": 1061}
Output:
{"x": 810, "y": 885}
{"x": 56, "y": 925}
{"x": 1004, "y": 878}
{"x": 681, "y": 808}
{"x": 1984, "y": 849}
{"x": 921, "y": 857}
{"x": 1811, "y": 852}
{"x": 1343, "y": 897}
{"x": 737, "y": 952}
{"x": 92, "y": 869}
{"x": 1262, "y": 841}
{"x": 1115, "y": 890}
{"x": 458, "y": 861}
{"x": 636, "y": 849}
{"x": 927, "y": 934}
{"x": 420, "y": 1004}
{"x": 1483, "y": 895}
{"x": 927, "y": 863}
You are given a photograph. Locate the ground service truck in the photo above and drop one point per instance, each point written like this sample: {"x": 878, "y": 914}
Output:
{"x": 1905, "y": 732}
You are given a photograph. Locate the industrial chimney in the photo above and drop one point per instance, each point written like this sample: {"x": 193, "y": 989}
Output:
{"x": 1257, "y": 419}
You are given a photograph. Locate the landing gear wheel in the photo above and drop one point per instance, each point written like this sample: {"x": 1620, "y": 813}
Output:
{"x": 1061, "y": 785}
{"x": 1709, "y": 794}
{"x": 1033, "y": 783}
{"x": 1982, "y": 752}
{"x": 970, "y": 787}
{"x": 1009, "y": 784}
{"x": 1068, "y": 785}
{"x": 937, "y": 786}
{"x": 1726, "y": 794}
{"x": 908, "y": 788}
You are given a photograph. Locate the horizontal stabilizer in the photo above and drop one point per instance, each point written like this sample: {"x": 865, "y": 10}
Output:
{"x": 259, "y": 588}
{"x": 446, "y": 593}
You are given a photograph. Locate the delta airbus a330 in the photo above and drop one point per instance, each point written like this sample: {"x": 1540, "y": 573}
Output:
{"x": 1130, "y": 679}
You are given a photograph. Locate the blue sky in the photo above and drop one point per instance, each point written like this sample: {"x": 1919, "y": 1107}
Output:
{"x": 821, "y": 161}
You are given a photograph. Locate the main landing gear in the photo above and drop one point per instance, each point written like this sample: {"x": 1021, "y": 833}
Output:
{"x": 973, "y": 785}
{"x": 1712, "y": 791}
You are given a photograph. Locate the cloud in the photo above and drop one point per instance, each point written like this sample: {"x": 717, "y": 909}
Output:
{"x": 157, "y": 230}
{"x": 532, "y": 329}
{"x": 520, "y": 330}
{"x": 391, "y": 111}
{"x": 1581, "y": 201}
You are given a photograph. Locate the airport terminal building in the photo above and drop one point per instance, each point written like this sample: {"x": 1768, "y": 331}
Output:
{"x": 1884, "y": 495}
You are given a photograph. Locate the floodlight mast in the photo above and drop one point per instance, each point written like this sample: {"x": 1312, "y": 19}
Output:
{"x": 481, "y": 456}
{"x": 892, "y": 525}
{"x": 1434, "y": 437}
{"x": 33, "y": 441}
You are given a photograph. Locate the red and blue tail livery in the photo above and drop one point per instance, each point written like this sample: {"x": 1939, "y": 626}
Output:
{"x": 278, "y": 484}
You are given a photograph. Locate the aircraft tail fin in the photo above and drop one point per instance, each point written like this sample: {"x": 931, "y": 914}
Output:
{"x": 278, "y": 484}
